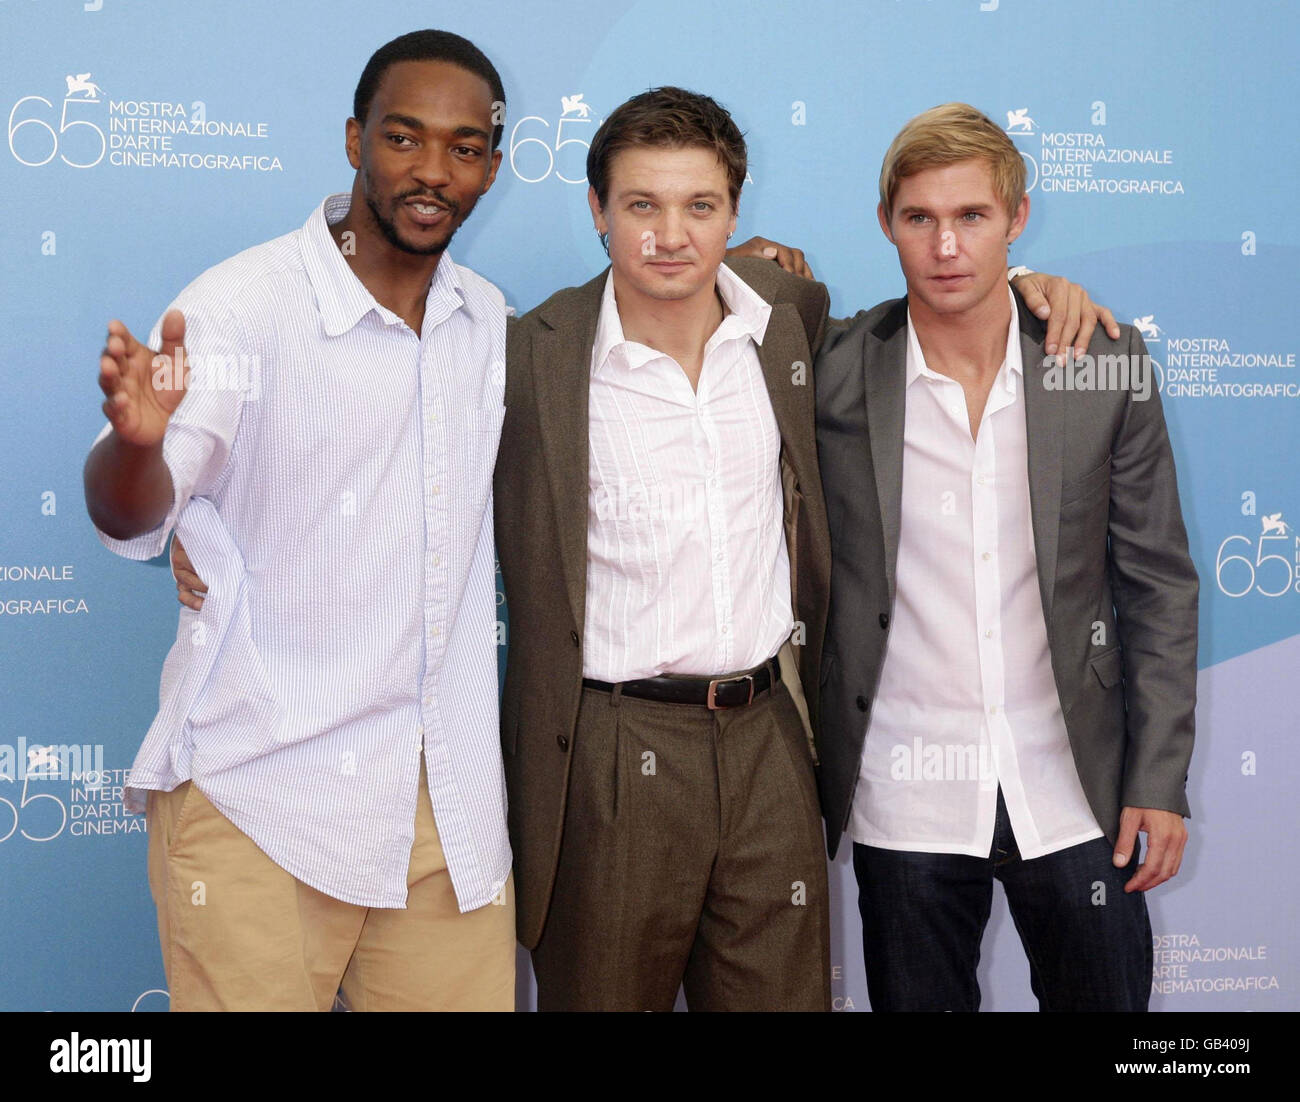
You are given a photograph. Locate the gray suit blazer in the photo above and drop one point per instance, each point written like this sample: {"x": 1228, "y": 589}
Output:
{"x": 540, "y": 498}
{"x": 1111, "y": 548}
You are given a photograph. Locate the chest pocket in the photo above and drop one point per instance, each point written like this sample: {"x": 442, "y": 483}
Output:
{"x": 1080, "y": 489}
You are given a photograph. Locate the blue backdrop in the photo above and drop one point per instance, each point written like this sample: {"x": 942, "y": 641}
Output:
{"x": 1163, "y": 178}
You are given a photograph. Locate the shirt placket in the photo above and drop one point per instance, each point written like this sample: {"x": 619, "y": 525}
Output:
{"x": 719, "y": 559}
{"x": 991, "y": 752}
{"x": 436, "y": 469}
{"x": 438, "y": 390}
{"x": 989, "y": 603}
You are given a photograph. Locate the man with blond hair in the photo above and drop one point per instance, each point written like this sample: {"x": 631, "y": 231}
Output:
{"x": 1009, "y": 673}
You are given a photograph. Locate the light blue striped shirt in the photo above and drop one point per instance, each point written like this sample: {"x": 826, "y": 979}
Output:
{"x": 333, "y": 473}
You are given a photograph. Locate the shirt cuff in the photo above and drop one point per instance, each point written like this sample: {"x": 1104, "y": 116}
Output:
{"x": 151, "y": 544}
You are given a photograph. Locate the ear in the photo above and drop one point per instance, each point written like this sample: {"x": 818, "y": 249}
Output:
{"x": 735, "y": 213}
{"x": 597, "y": 215}
{"x": 492, "y": 172}
{"x": 352, "y": 142}
{"x": 884, "y": 223}
{"x": 1017, "y": 226}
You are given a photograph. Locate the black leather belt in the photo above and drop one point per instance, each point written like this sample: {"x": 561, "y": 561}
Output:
{"x": 723, "y": 692}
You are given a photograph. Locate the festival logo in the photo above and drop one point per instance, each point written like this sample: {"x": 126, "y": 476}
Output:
{"x": 1262, "y": 561}
{"x": 539, "y": 149}
{"x": 1019, "y": 122}
{"x": 1146, "y": 325}
{"x": 1184, "y": 965}
{"x": 88, "y": 128}
{"x": 47, "y": 791}
{"x": 1207, "y": 366}
{"x": 1090, "y": 162}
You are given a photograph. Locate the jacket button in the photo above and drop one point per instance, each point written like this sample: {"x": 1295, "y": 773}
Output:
{"x": 562, "y": 741}
{"x": 884, "y": 619}
{"x": 862, "y": 703}
{"x": 574, "y": 636}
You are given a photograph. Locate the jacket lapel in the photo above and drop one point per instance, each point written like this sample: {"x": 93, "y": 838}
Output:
{"x": 886, "y": 396}
{"x": 791, "y": 395}
{"x": 1045, "y": 433}
{"x": 561, "y": 364}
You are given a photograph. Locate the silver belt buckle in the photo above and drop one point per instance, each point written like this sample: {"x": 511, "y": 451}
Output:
{"x": 713, "y": 704}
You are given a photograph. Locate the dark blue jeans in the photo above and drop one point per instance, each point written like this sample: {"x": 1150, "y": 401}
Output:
{"x": 923, "y": 915}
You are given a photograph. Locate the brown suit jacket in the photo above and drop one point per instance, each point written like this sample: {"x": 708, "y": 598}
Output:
{"x": 541, "y": 494}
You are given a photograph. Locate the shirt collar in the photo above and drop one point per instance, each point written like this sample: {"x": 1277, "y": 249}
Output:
{"x": 342, "y": 298}
{"x": 747, "y": 315}
{"x": 1012, "y": 363}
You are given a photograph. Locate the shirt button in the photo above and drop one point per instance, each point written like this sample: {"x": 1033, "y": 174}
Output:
{"x": 952, "y": 410}
{"x": 993, "y": 709}
{"x": 986, "y": 556}
{"x": 437, "y": 560}
{"x": 573, "y": 636}
{"x": 717, "y": 556}
{"x": 726, "y": 629}
{"x": 562, "y": 741}
{"x": 428, "y": 702}
{"x": 437, "y": 490}
{"x": 988, "y": 633}
{"x": 981, "y": 480}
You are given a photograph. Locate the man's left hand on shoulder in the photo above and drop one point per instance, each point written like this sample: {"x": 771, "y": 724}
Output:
{"x": 1166, "y": 837}
{"x": 1070, "y": 313}
{"x": 790, "y": 259}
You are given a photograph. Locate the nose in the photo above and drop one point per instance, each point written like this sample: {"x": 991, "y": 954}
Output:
{"x": 433, "y": 168}
{"x": 671, "y": 232}
{"x": 946, "y": 245}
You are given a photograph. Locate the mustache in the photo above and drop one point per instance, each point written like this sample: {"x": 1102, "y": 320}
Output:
{"x": 431, "y": 197}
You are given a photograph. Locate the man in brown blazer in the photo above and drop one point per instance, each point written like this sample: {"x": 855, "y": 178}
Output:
{"x": 663, "y": 540}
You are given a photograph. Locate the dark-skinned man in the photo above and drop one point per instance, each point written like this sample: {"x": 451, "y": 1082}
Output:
{"x": 323, "y": 780}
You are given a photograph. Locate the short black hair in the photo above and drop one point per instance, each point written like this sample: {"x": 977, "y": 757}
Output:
{"x": 428, "y": 46}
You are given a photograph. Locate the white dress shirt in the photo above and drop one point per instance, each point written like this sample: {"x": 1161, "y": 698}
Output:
{"x": 340, "y": 513}
{"x": 687, "y": 567}
{"x": 966, "y": 699}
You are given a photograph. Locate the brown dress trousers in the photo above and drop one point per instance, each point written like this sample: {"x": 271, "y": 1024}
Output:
{"x": 692, "y": 856}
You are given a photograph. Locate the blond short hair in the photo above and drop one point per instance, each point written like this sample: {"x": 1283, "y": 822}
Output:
{"x": 947, "y": 134}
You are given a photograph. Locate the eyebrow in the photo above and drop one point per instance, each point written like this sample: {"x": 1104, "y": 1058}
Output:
{"x": 412, "y": 123}
{"x": 403, "y": 120}
{"x": 641, "y": 193}
{"x": 977, "y": 207}
{"x": 471, "y": 132}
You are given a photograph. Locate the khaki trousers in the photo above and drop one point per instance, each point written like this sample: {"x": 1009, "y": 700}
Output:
{"x": 693, "y": 856}
{"x": 240, "y": 933}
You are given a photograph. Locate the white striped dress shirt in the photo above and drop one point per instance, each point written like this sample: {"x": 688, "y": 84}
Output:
{"x": 339, "y": 510}
{"x": 687, "y": 567}
{"x": 967, "y": 700}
